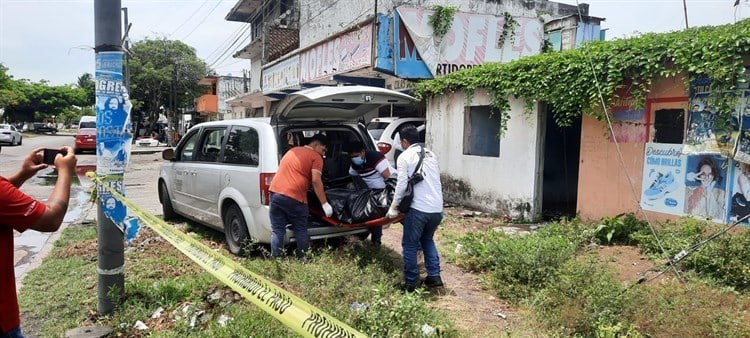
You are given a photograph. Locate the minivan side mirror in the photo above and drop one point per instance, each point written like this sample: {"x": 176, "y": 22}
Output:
{"x": 168, "y": 154}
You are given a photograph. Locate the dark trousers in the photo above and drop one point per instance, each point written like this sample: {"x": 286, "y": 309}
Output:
{"x": 285, "y": 210}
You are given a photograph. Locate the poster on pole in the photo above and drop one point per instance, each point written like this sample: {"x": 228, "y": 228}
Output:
{"x": 663, "y": 187}
{"x": 706, "y": 180}
{"x": 114, "y": 136}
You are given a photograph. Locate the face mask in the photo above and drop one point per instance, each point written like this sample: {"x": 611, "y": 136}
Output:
{"x": 358, "y": 160}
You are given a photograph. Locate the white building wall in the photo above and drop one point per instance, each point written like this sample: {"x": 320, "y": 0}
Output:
{"x": 322, "y": 19}
{"x": 502, "y": 185}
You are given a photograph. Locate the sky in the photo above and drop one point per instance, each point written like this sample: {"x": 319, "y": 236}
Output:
{"x": 53, "y": 40}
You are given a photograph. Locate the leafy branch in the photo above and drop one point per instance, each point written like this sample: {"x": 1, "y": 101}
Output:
{"x": 509, "y": 29}
{"x": 442, "y": 19}
{"x": 569, "y": 80}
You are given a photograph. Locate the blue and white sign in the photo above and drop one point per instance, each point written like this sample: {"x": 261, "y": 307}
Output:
{"x": 114, "y": 136}
{"x": 664, "y": 178}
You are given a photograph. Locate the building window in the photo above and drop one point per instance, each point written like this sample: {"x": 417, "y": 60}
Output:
{"x": 242, "y": 146}
{"x": 482, "y": 132}
{"x": 669, "y": 125}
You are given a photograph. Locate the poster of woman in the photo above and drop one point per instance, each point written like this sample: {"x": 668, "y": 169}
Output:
{"x": 706, "y": 186}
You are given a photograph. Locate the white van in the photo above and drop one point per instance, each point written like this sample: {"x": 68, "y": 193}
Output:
{"x": 220, "y": 172}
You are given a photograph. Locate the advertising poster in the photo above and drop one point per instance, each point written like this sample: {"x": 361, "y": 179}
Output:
{"x": 114, "y": 136}
{"x": 706, "y": 186}
{"x": 664, "y": 178}
{"x": 742, "y": 149}
{"x": 709, "y": 130}
{"x": 739, "y": 192}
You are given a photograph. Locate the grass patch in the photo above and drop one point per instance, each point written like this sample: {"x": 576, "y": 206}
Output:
{"x": 353, "y": 282}
{"x": 557, "y": 274}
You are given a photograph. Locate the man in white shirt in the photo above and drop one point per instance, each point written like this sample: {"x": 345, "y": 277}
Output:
{"x": 425, "y": 213}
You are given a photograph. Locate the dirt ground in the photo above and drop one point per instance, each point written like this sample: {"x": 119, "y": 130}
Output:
{"x": 476, "y": 310}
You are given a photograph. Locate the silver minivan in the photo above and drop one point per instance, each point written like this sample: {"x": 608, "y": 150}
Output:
{"x": 219, "y": 173}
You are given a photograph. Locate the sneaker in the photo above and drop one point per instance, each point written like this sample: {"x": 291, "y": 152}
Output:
{"x": 662, "y": 185}
{"x": 432, "y": 282}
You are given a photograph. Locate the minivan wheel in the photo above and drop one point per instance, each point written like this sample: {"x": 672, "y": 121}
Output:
{"x": 235, "y": 230}
{"x": 166, "y": 203}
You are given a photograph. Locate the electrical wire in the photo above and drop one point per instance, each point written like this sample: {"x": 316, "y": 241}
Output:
{"x": 682, "y": 254}
{"x": 204, "y": 20}
{"x": 619, "y": 150}
{"x": 229, "y": 38}
{"x": 188, "y": 19}
{"x": 228, "y": 51}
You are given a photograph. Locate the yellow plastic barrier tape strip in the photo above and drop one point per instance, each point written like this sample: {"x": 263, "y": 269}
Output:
{"x": 295, "y": 313}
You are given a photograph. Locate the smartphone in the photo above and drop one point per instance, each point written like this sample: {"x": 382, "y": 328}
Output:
{"x": 50, "y": 154}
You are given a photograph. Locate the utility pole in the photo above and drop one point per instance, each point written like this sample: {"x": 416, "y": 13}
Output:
{"x": 111, "y": 244}
{"x": 684, "y": 9}
{"x": 126, "y": 44}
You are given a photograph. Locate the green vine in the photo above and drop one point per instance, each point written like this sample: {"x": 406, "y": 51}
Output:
{"x": 442, "y": 19}
{"x": 624, "y": 66}
{"x": 509, "y": 29}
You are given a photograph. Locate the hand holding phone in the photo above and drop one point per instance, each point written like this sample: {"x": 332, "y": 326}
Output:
{"x": 50, "y": 154}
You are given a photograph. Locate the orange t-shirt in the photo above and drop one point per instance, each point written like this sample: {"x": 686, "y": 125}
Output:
{"x": 295, "y": 173}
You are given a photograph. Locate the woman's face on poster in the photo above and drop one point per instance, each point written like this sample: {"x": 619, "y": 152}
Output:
{"x": 706, "y": 175}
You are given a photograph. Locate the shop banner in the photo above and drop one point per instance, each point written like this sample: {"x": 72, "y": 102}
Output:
{"x": 114, "y": 136}
{"x": 709, "y": 130}
{"x": 664, "y": 179}
{"x": 706, "y": 187}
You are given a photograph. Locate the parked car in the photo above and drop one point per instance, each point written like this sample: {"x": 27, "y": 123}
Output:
{"x": 41, "y": 128}
{"x": 86, "y": 135}
{"x": 384, "y": 130}
{"x": 220, "y": 172}
{"x": 10, "y": 135}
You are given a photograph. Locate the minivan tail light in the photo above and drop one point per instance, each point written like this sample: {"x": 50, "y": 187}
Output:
{"x": 265, "y": 185}
{"x": 384, "y": 147}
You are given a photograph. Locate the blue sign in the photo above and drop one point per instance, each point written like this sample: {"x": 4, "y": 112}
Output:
{"x": 114, "y": 136}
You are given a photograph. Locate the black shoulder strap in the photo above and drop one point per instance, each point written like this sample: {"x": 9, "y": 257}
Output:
{"x": 421, "y": 157}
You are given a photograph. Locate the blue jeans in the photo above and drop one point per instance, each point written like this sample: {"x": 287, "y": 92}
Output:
{"x": 285, "y": 210}
{"x": 14, "y": 333}
{"x": 419, "y": 227}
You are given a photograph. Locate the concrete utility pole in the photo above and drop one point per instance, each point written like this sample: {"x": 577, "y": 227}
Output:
{"x": 111, "y": 263}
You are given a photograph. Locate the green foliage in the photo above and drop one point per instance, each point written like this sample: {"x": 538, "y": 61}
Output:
{"x": 618, "y": 229}
{"x": 724, "y": 259}
{"x": 570, "y": 80}
{"x": 157, "y": 64}
{"x": 509, "y": 29}
{"x": 584, "y": 300}
{"x": 442, "y": 19}
{"x": 516, "y": 266}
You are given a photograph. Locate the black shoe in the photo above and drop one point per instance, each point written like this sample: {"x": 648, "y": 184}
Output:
{"x": 432, "y": 282}
{"x": 406, "y": 287}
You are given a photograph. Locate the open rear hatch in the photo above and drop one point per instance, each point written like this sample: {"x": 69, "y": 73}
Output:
{"x": 347, "y": 103}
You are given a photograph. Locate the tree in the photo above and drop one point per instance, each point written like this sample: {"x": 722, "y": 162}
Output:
{"x": 86, "y": 82}
{"x": 164, "y": 73}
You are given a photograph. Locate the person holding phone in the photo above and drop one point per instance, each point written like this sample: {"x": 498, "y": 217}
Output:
{"x": 20, "y": 212}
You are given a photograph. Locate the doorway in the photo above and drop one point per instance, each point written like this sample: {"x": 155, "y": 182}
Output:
{"x": 562, "y": 149}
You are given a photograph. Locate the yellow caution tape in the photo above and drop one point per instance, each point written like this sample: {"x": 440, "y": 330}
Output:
{"x": 295, "y": 313}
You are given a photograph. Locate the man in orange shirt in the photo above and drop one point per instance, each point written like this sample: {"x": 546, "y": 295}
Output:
{"x": 20, "y": 212}
{"x": 300, "y": 167}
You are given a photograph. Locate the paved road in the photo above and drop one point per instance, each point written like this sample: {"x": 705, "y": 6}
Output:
{"x": 140, "y": 186}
